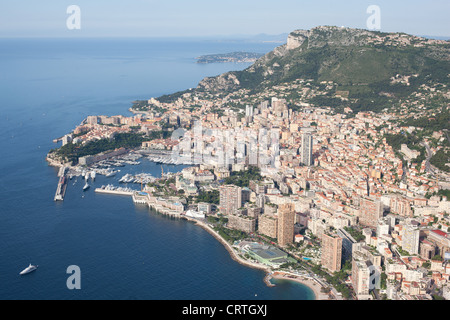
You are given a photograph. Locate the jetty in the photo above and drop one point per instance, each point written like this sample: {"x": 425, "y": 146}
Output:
{"x": 267, "y": 280}
{"x": 109, "y": 189}
{"x": 62, "y": 184}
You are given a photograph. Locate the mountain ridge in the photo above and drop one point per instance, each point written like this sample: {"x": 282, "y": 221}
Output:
{"x": 322, "y": 51}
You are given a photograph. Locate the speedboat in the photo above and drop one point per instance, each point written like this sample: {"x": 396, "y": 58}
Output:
{"x": 28, "y": 269}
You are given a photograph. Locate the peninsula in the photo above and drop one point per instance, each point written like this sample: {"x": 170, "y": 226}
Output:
{"x": 236, "y": 57}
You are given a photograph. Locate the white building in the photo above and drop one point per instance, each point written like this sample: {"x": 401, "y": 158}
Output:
{"x": 410, "y": 239}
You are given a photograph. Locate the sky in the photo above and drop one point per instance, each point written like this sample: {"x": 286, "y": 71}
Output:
{"x": 210, "y": 18}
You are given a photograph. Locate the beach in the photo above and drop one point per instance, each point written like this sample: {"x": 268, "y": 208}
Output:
{"x": 310, "y": 283}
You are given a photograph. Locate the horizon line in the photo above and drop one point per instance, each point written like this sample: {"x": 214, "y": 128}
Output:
{"x": 204, "y": 37}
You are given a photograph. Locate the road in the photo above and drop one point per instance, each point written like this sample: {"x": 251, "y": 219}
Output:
{"x": 428, "y": 167}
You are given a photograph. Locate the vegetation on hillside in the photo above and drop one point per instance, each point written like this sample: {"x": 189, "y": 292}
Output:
{"x": 72, "y": 152}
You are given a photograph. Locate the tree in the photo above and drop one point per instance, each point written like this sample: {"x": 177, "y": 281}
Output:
{"x": 437, "y": 258}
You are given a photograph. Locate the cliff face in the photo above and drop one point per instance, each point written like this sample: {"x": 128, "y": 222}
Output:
{"x": 344, "y": 55}
{"x": 296, "y": 39}
{"x": 226, "y": 81}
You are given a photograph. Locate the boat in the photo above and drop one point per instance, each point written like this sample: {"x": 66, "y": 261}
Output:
{"x": 93, "y": 174}
{"x": 126, "y": 178}
{"x": 111, "y": 174}
{"x": 86, "y": 186}
{"x": 28, "y": 269}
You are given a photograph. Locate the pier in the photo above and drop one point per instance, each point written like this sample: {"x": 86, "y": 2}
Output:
{"x": 115, "y": 190}
{"x": 62, "y": 185}
{"x": 267, "y": 280}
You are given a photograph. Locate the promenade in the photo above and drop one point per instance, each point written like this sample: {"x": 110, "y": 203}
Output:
{"x": 310, "y": 283}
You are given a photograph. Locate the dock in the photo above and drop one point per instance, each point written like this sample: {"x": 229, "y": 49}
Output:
{"x": 115, "y": 190}
{"x": 62, "y": 185}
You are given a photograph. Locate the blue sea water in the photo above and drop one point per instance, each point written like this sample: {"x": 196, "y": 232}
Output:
{"x": 124, "y": 251}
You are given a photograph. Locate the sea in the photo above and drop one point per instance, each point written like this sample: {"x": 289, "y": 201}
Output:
{"x": 123, "y": 251}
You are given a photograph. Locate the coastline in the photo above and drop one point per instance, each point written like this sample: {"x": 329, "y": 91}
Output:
{"x": 311, "y": 284}
{"x": 318, "y": 295}
{"x": 227, "y": 246}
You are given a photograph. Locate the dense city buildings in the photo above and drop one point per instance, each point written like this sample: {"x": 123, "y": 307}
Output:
{"x": 355, "y": 189}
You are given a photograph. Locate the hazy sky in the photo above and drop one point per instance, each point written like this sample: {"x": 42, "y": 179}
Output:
{"x": 177, "y": 18}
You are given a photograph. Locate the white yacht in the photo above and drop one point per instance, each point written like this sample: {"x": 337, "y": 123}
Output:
{"x": 86, "y": 186}
{"x": 110, "y": 174}
{"x": 28, "y": 269}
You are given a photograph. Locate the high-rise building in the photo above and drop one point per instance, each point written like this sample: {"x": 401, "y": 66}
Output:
{"x": 267, "y": 225}
{"x": 427, "y": 250}
{"x": 248, "y": 111}
{"x": 347, "y": 244}
{"x": 410, "y": 239}
{"x": 361, "y": 277}
{"x": 383, "y": 228}
{"x": 331, "y": 252}
{"x": 230, "y": 199}
{"x": 279, "y": 105}
{"x": 370, "y": 211}
{"x": 401, "y": 206}
{"x": 242, "y": 223}
{"x": 306, "y": 151}
{"x": 286, "y": 221}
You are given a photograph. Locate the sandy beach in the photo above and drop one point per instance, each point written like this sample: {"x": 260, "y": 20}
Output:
{"x": 305, "y": 281}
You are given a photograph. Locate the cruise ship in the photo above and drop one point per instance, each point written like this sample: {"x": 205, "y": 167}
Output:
{"x": 28, "y": 269}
